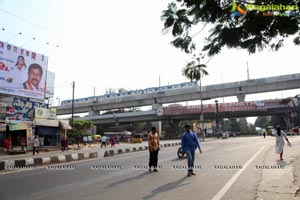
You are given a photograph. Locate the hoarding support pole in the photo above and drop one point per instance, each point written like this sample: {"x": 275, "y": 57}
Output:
{"x": 72, "y": 120}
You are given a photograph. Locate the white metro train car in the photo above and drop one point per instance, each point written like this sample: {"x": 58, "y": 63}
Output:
{"x": 131, "y": 92}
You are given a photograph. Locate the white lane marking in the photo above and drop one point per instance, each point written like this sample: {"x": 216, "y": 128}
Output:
{"x": 235, "y": 177}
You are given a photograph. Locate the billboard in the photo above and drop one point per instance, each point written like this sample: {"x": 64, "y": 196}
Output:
{"x": 22, "y": 72}
{"x": 23, "y": 110}
{"x": 45, "y": 113}
{"x": 49, "y": 93}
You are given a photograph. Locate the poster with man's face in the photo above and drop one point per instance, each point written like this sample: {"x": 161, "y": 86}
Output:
{"x": 22, "y": 72}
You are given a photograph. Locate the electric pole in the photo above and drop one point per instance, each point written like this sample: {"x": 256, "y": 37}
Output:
{"x": 72, "y": 120}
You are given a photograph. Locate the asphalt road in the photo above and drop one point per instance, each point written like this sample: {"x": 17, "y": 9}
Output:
{"x": 227, "y": 169}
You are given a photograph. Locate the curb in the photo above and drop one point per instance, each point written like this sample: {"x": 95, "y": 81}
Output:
{"x": 110, "y": 153}
{"x": 40, "y": 161}
{"x": 31, "y": 162}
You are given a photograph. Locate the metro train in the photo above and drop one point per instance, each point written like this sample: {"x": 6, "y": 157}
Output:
{"x": 131, "y": 92}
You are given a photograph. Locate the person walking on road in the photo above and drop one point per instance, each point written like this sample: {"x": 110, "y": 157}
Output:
{"x": 103, "y": 141}
{"x": 189, "y": 142}
{"x": 153, "y": 146}
{"x": 35, "y": 145}
{"x": 89, "y": 140}
{"x": 113, "y": 141}
{"x": 280, "y": 136}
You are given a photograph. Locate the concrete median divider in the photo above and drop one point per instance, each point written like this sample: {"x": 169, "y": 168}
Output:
{"x": 68, "y": 158}
{"x": 2, "y": 165}
{"x": 80, "y": 156}
{"x": 134, "y": 149}
{"x": 29, "y": 162}
{"x": 38, "y": 161}
{"x": 20, "y": 163}
{"x": 75, "y": 156}
{"x": 54, "y": 160}
{"x": 111, "y": 153}
{"x": 5, "y": 164}
{"x": 86, "y": 155}
{"x": 62, "y": 158}
{"x": 9, "y": 163}
{"x": 94, "y": 155}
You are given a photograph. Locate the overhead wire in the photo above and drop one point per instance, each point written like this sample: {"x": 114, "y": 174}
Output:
{"x": 38, "y": 25}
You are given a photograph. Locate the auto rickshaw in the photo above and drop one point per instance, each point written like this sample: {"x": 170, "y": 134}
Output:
{"x": 138, "y": 138}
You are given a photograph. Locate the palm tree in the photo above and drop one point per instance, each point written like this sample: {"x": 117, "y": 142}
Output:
{"x": 195, "y": 71}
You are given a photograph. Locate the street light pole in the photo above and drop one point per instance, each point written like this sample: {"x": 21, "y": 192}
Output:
{"x": 200, "y": 87}
{"x": 217, "y": 120}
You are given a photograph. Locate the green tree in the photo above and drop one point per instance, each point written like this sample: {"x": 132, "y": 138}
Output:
{"x": 194, "y": 71}
{"x": 82, "y": 124}
{"x": 278, "y": 120}
{"x": 235, "y": 125}
{"x": 251, "y": 128}
{"x": 252, "y": 31}
{"x": 262, "y": 122}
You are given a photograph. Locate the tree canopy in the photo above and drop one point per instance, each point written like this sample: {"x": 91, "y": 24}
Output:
{"x": 250, "y": 24}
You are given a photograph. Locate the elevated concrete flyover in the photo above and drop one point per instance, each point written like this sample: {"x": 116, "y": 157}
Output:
{"x": 226, "y": 110}
{"x": 238, "y": 88}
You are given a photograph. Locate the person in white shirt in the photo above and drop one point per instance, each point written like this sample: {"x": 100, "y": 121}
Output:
{"x": 103, "y": 141}
{"x": 35, "y": 145}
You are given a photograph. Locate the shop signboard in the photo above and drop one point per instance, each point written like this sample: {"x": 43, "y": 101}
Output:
{"x": 2, "y": 127}
{"x": 20, "y": 126}
{"x": 22, "y": 110}
{"x": 44, "y": 113}
{"x": 2, "y": 112}
{"x": 29, "y": 138}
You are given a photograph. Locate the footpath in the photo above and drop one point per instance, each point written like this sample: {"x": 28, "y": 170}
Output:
{"x": 281, "y": 183}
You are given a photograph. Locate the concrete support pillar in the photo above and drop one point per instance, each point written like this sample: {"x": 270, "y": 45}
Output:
{"x": 243, "y": 120}
{"x": 93, "y": 113}
{"x": 158, "y": 126}
{"x": 174, "y": 128}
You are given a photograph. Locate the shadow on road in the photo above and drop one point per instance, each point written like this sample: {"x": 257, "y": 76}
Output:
{"x": 178, "y": 159}
{"x": 166, "y": 187}
{"x": 282, "y": 163}
{"x": 127, "y": 180}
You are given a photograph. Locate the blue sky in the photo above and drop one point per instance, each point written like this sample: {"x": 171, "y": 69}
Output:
{"x": 119, "y": 44}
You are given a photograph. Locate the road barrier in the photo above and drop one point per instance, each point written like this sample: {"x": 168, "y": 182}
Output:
{"x": 19, "y": 163}
{"x": 135, "y": 149}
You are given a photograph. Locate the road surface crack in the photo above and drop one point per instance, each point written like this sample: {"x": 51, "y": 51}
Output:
{"x": 256, "y": 197}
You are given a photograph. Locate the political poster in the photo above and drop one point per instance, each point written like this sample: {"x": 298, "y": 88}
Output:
{"x": 22, "y": 72}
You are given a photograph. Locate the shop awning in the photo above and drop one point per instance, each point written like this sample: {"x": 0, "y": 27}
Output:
{"x": 46, "y": 122}
{"x": 65, "y": 124}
